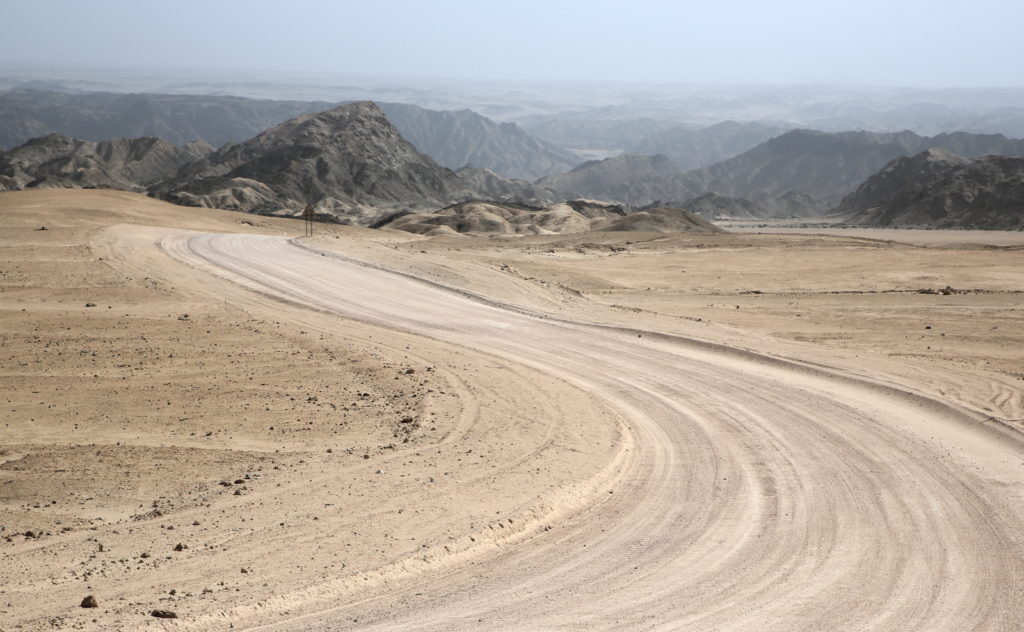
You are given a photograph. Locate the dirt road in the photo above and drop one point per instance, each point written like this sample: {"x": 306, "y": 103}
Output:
{"x": 757, "y": 494}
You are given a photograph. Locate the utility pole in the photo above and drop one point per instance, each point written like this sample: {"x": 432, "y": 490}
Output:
{"x": 308, "y": 215}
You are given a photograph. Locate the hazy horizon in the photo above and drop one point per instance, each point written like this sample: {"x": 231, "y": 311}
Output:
{"x": 915, "y": 44}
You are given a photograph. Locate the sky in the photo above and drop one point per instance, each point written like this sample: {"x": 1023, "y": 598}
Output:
{"x": 914, "y": 43}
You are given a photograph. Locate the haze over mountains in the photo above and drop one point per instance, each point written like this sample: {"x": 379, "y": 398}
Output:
{"x": 464, "y": 138}
{"x": 360, "y": 162}
{"x": 453, "y": 139}
{"x": 822, "y": 165}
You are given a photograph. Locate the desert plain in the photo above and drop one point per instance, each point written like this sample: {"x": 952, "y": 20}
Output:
{"x": 207, "y": 414}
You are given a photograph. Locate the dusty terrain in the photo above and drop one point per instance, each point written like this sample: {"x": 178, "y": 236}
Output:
{"x": 597, "y": 431}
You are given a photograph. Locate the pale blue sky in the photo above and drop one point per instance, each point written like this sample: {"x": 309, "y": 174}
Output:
{"x": 868, "y": 42}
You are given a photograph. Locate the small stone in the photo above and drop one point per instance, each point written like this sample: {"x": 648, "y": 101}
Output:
{"x": 180, "y": 547}
{"x": 90, "y": 304}
{"x": 144, "y": 555}
{"x": 164, "y": 614}
{"x": 410, "y": 371}
{"x": 90, "y": 602}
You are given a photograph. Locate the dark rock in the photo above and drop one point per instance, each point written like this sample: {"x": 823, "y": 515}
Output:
{"x": 90, "y": 602}
{"x": 350, "y": 163}
{"x": 56, "y": 161}
{"x": 936, "y": 189}
{"x": 164, "y": 614}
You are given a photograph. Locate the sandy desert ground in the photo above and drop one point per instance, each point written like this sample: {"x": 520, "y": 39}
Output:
{"x": 371, "y": 430}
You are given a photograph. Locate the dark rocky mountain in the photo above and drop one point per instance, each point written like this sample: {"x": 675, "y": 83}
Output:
{"x": 26, "y": 114}
{"x": 454, "y": 139}
{"x": 458, "y": 139}
{"x": 349, "y": 162}
{"x": 691, "y": 148}
{"x": 828, "y": 166}
{"x": 937, "y": 189}
{"x": 131, "y": 164}
{"x": 798, "y": 163}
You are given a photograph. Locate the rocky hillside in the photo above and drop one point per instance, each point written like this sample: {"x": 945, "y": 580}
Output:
{"x": 55, "y": 161}
{"x": 574, "y": 216}
{"x": 937, "y": 189}
{"x": 453, "y": 139}
{"x": 486, "y": 184}
{"x": 692, "y": 148}
{"x": 789, "y": 205}
{"x": 26, "y": 114}
{"x": 822, "y": 165}
{"x": 629, "y": 179}
{"x": 478, "y": 217}
{"x": 458, "y": 139}
{"x": 349, "y": 162}
{"x": 662, "y": 219}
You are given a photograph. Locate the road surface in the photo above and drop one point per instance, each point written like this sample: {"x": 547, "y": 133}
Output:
{"x": 759, "y": 494}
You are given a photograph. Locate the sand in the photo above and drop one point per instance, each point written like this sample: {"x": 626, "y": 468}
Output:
{"x": 602, "y": 431}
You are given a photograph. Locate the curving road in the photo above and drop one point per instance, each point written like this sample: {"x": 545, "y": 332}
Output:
{"x": 761, "y": 495}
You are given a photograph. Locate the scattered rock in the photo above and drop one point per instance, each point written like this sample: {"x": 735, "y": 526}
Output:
{"x": 164, "y": 614}
{"x": 90, "y": 602}
{"x": 90, "y": 304}
{"x": 42, "y": 228}
{"x": 144, "y": 555}
{"x": 410, "y": 371}
{"x": 180, "y": 547}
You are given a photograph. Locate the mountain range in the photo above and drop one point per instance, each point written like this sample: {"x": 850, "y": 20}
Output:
{"x": 349, "y": 162}
{"x": 131, "y": 164}
{"x": 354, "y": 165}
{"x": 938, "y": 189}
{"x": 464, "y": 138}
{"x": 573, "y": 216}
{"x": 821, "y": 165}
{"x": 691, "y": 148}
{"x": 454, "y": 139}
